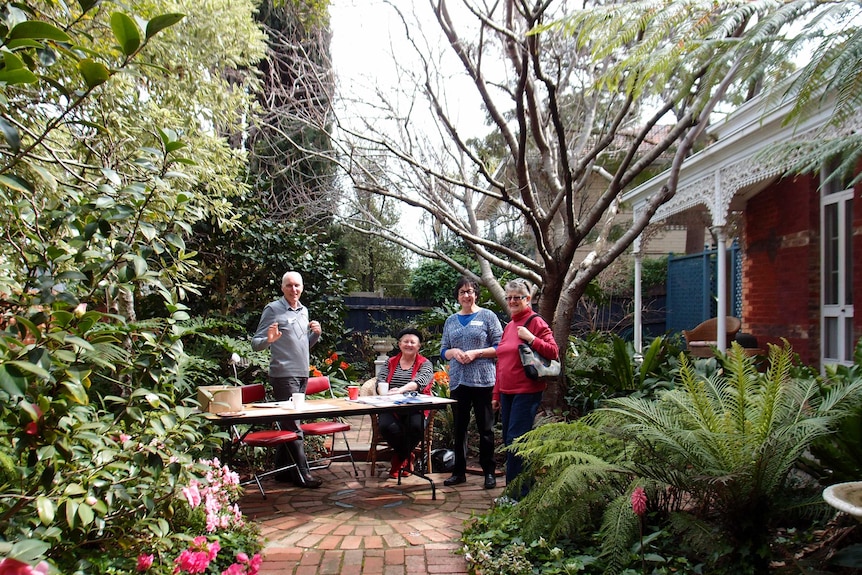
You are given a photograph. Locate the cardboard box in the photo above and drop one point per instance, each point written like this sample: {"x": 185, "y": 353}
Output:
{"x": 219, "y": 398}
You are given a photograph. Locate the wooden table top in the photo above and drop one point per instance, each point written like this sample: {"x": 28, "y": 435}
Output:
{"x": 268, "y": 412}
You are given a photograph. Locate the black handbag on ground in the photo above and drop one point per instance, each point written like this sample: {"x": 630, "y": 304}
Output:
{"x": 535, "y": 366}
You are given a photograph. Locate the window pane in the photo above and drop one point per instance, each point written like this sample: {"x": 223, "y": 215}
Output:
{"x": 830, "y": 338}
{"x": 830, "y": 253}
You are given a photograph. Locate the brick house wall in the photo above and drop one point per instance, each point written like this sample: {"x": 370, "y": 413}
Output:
{"x": 781, "y": 269}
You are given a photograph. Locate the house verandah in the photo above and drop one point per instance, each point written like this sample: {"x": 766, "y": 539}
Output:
{"x": 801, "y": 238}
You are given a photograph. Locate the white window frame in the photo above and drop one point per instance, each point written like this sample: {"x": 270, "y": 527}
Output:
{"x": 836, "y": 318}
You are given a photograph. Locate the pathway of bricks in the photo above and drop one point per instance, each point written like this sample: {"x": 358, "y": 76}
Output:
{"x": 367, "y": 524}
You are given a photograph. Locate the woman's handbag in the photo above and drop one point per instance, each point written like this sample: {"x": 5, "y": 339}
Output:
{"x": 536, "y": 366}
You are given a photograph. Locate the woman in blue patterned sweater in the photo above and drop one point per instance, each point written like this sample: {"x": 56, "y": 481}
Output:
{"x": 469, "y": 344}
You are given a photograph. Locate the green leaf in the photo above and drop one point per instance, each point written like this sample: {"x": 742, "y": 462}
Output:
{"x": 77, "y": 391}
{"x": 85, "y": 512}
{"x": 140, "y": 266}
{"x": 74, "y": 489}
{"x": 24, "y": 43}
{"x": 38, "y": 30}
{"x": 31, "y": 368}
{"x": 12, "y": 62}
{"x": 80, "y": 342}
{"x": 47, "y": 176}
{"x": 87, "y": 4}
{"x": 175, "y": 241}
{"x": 10, "y": 132}
{"x": 174, "y": 146}
{"x": 19, "y": 76}
{"x": 148, "y": 231}
{"x": 14, "y": 385}
{"x": 71, "y": 512}
{"x": 94, "y": 73}
{"x": 126, "y": 32}
{"x": 29, "y": 550}
{"x": 161, "y": 22}
{"x": 16, "y": 183}
{"x": 46, "y": 509}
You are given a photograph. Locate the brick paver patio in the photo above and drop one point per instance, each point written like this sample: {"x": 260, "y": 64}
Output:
{"x": 365, "y": 525}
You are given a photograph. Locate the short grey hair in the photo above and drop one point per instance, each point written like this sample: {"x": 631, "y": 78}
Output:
{"x": 519, "y": 285}
{"x": 284, "y": 277}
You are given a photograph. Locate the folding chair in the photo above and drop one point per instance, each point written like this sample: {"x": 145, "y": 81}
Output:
{"x": 321, "y": 385}
{"x": 267, "y": 438}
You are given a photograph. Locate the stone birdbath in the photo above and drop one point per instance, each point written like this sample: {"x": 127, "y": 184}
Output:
{"x": 846, "y": 497}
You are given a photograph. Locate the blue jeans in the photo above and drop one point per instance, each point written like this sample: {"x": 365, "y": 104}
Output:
{"x": 517, "y": 412}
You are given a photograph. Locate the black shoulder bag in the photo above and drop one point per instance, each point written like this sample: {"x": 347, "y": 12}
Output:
{"x": 535, "y": 366}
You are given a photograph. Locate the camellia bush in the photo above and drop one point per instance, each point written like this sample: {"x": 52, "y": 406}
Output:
{"x": 109, "y": 117}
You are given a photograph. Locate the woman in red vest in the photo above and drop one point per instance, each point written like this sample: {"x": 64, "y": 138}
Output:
{"x": 407, "y": 371}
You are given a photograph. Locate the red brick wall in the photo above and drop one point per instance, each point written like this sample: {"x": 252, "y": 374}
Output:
{"x": 781, "y": 269}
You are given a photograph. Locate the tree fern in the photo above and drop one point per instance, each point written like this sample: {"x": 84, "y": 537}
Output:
{"x": 577, "y": 474}
{"x": 618, "y": 531}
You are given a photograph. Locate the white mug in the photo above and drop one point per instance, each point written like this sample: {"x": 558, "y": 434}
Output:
{"x": 382, "y": 387}
{"x": 298, "y": 400}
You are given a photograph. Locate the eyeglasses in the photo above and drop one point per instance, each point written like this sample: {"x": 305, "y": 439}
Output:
{"x": 515, "y": 297}
{"x": 410, "y": 394}
{"x": 466, "y": 292}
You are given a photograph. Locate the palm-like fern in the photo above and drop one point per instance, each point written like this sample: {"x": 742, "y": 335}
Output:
{"x": 730, "y": 440}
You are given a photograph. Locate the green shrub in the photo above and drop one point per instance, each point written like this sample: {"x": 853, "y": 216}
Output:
{"x": 715, "y": 454}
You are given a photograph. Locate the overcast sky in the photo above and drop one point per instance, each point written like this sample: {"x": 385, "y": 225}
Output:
{"x": 365, "y": 34}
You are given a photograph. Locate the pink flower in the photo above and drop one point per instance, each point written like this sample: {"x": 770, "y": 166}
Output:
{"x": 124, "y": 437}
{"x": 192, "y": 494}
{"x": 191, "y": 562}
{"x": 639, "y": 501}
{"x": 32, "y": 428}
{"x": 197, "y": 558}
{"x": 144, "y": 562}
{"x": 243, "y": 566}
{"x": 10, "y": 566}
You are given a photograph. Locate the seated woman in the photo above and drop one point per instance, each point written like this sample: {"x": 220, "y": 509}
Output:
{"x": 406, "y": 371}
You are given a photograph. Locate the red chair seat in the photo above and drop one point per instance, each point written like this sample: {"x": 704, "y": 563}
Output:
{"x": 324, "y": 427}
{"x": 322, "y": 385}
{"x": 269, "y": 438}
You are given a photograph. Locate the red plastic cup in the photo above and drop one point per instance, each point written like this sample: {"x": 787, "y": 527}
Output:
{"x": 353, "y": 391}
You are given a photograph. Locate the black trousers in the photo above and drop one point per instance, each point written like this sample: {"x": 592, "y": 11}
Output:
{"x": 402, "y": 431}
{"x": 283, "y": 389}
{"x": 477, "y": 400}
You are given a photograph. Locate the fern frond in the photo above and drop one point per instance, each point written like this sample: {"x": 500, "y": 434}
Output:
{"x": 618, "y": 532}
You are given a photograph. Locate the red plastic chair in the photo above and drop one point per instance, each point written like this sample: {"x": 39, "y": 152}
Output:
{"x": 317, "y": 385}
{"x": 266, "y": 438}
